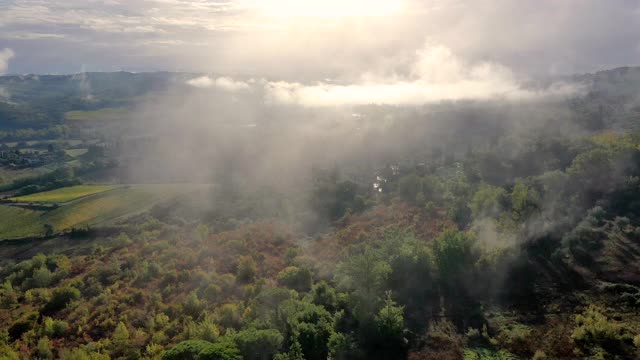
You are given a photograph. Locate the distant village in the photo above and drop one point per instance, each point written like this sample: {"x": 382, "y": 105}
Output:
{"x": 22, "y": 155}
{"x": 20, "y": 159}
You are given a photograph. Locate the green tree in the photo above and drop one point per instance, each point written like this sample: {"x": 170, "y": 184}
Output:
{"x": 42, "y": 277}
{"x": 390, "y": 329}
{"x": 294, "y": 353}
{"x": 247, "y": 270}
{"x": 61, "y": 298}
{"x": 488, "y": 200}
{"x": 365, "y": 275}
{"x": 454, "y": 255}
{"x": 43, "y": 349}
{"x": 120, "y": 337}
{"x": 524, "y": 199}
{"x": 192, "y": 305}
{"x": 257, "y": 344}
{"x": 295, "y": 278}
{"x": 203, "y": 350}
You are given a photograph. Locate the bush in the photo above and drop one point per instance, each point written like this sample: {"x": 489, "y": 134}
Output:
{"x": 516, "y": 338}
{"x": 595, "y": 333}
{"x": 441, "y": 342}
{"x": 192, "y": 305}
{"x": 61, "y": 298}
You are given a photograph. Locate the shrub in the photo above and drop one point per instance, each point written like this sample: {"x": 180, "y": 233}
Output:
{"x": 596, "y": 333}
{"x": 516, "y": 338}
{"x": 61, "y": 298}
{"x": 192, "y": 305}
{"x": 441, "y": 342}
{"x": 540, "y": 355}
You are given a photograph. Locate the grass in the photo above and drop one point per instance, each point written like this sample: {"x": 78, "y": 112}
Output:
{"x": 64, "y": 194}
{"x": 76, "y": 152}
{"x": 98, "y": 209}
{"x": 16, "y": 222}
{"x": 98, "y": 115}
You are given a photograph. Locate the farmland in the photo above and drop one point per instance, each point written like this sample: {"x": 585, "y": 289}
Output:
{"x": 76, "y": 152}
{"x": 86, "y": 205}
{"x": 106, "y": 114}
{"x": 64, "y": 194}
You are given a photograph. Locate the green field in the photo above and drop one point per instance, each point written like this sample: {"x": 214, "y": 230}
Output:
{"x": 96, "y": 209}
{"x": 76, "y": 152}
{"x": 16, "y": 222}
{"x": 64, "y": 194}
{"x": 106, "y": 114}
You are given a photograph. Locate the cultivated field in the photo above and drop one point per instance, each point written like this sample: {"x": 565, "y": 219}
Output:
{"x": 64, "y": 194}
{"x": 106, "y": 114}
{"x": 16, "y": 222}
{"x": 86, "y": 206}
{"x": 76, "y": 152}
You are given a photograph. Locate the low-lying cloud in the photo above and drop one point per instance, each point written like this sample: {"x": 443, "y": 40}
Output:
{"x": 223, "y": 83}
{"x": 435, "y": 74}
{"x": 6, "y": 54}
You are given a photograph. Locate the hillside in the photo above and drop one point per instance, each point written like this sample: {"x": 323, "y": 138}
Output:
{"x": 465, "y": 230}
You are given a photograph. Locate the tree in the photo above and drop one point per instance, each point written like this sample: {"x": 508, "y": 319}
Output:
{"x": 294, "y": 353}
{"x": 455, "y": 258}
{"x": 247, "y": 270}
{"x": 48, "y": 230}
{"x": 202, "y": 232}
{"x": 325, "y": 295}
{"x": 390, "y": 329}
{"x": 524, "y": 199}
{"x": 365, "y": 275}
{"x": 488, "y": 200}
{"x": 192, "y": 305}
{"x": 120, "y": 336}
{"x": 203, "y": 350}
{"x": 43, "y": 349}
{"x": 257, "y": 344}
{"x": 295, "y": 278}
{"x": 454, "y": 255}
{"x": 311, "y": 325}
{"x": 42, "y": 277}
{"x": 61, "y": 298}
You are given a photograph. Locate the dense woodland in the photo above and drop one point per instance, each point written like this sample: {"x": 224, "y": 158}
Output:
{"x": 497, "y": 242}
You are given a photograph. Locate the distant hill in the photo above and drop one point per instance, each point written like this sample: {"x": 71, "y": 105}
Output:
{"x": 38, "y": 101}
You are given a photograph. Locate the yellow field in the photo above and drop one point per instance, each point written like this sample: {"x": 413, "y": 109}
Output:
{"x": 64, "y": 194}
{"x": 95, "y": 209}
{"x": 76, "y": 152}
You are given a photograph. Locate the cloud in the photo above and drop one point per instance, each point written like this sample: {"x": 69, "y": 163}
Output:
{"x": 224, "y": 83}
{"x": 435, "y": 75}
{"x": 278, "y": 38}
{"x": 5, "y": 55}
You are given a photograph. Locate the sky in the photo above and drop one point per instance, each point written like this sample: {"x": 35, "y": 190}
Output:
{"x": 359, "y": 41}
